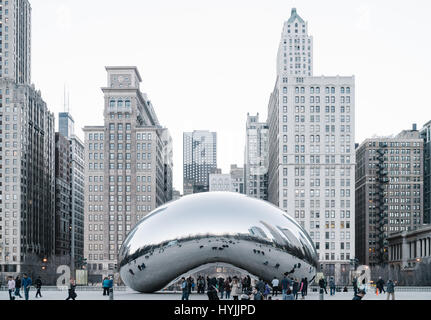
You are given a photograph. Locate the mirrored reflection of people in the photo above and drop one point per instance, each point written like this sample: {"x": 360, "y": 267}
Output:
{"x": 72, "y": 293}
{"x": 236, "y": 288}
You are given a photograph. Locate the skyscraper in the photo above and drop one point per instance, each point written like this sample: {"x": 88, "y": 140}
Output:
{"x": 200, "y": 160}
{"x": 125, "y": 168}
{"x": 15, "y": 26}
{"x": 74, "y": 231}
{"x": 27, "y": 182}
{"x": 256, "y": 158}
{"x": 389, "y": 190}
{"x": 311, "y": 149}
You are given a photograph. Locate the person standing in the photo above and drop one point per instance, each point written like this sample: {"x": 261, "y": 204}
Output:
{"x": 260, "y": 286}
{"x": 332, "y": 286}
{"x": 220, "y": 286}
{"x": 26, "y": 283}
{"x": 301, "y": 289}
{"x": 105, "y": 285}
{"x": 38, "y": 283}
{"x": 18, "y": 287}
{"x": 305, "y": 287}
{"x": 390, "y": 289}
{"x": 295, "y": 289}
{"x": 11, "y": 288}
{"x": 267, "y": 292}
{"x": 227, "y": 288}
{"x": 355, "y": 285}
{"x": 322, "y": 285}
{"x": 72, "y": 293}
{"x": 381, "y": 285}
{"x": 275, "y": 283}
{"x": 285, "y": 287}
{"x": 184, "y": 289}
{"x": 189, "y": 287}
{"x": 236, "y": 289}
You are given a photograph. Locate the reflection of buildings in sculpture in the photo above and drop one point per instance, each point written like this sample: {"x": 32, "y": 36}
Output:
{"x": 409, "y": 249}
{"x": 256, "y": 158}
{"x": 257, "y": 231}
{"x": 200, "y": 160}
{"x": 389, "y": 189}
{"x": 233, "y": 182}
{"x": 129, "y": 168}
{"x": 311, "y": 148}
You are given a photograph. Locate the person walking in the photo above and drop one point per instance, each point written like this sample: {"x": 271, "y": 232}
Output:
{"x": 18, "y": 287}
{"x": 227, "y": 288}
{"x": 236, "y": 289}
{"x": 390, "y": 289}
{"x": 38, "y": 283}
{"x": 275, "y": 283}
{"x": 105, "y": 285}
{"x": 332, "y": 286}
{"x": 11, "y": 288}
{"x": 72, "y": 286}
{"x": 380, "y": 284}
{"x": 26, "y": 283}
{"x": 267, "y": 292}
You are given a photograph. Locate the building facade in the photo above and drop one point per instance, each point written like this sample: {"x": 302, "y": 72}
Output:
{"x": 237, "y": 176}
{"x": 124, "y": 169}
{"x": 199, "y": 160}
{"x": 256, "y": 158}
{"x": 75, "y": 156}
{"x": 426, "y": 136}
{"x": 220, "y": 183}
{"x": 407, "y": 249}
{"x": 27, "y": 178}
{"x": 63, "y": 193}
{"x": 389, "y": 190}
{"x": 311, "y": 149}
{"x": 15, "y": 29}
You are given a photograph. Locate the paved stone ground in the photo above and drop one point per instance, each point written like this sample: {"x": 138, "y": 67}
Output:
{"x": 131, "y": 295}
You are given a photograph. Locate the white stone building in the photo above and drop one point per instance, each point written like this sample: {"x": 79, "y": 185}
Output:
{"x": 311, "y": 149}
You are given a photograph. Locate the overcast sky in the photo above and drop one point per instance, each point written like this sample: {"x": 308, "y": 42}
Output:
{"x": 205, "y": 64}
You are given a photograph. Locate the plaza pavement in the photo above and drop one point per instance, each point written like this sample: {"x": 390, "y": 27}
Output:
{"x": 132, "y": 295}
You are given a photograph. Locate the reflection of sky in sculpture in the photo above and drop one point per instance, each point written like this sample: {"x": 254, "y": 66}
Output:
{"x": 233, "y": 220}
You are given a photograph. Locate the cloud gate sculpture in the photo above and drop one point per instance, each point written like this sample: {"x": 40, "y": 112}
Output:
{"x": 217, "y": 227}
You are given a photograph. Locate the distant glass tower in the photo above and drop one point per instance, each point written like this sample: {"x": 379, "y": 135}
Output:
{"x": 426, "y": 135}
{"x": 200, "y": 160}
{"x": 66, "y": 124}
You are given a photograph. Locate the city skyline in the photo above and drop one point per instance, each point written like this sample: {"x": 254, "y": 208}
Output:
{"x": 217, "y": 58}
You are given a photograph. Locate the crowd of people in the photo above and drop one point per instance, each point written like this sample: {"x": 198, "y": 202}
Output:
{"x": 234, "y": 288}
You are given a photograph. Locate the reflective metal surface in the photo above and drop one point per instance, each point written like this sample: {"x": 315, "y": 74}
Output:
{"x": 206, "y": 228}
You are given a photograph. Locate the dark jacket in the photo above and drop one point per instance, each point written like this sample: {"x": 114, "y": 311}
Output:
{"x": 390, "y": 287}
{"x": 38, "y": 283}
{"x": 285, "y": 284}
{"x": 260, "y": 286}
{"x": 322, "y": 283}
{"x": 380, "y": 283}
{"x": 18, "y": 283}
{"x": 356, "y": 297}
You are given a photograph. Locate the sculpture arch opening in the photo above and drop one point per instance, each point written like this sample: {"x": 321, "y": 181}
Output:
{"x": 218, "y": 227}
